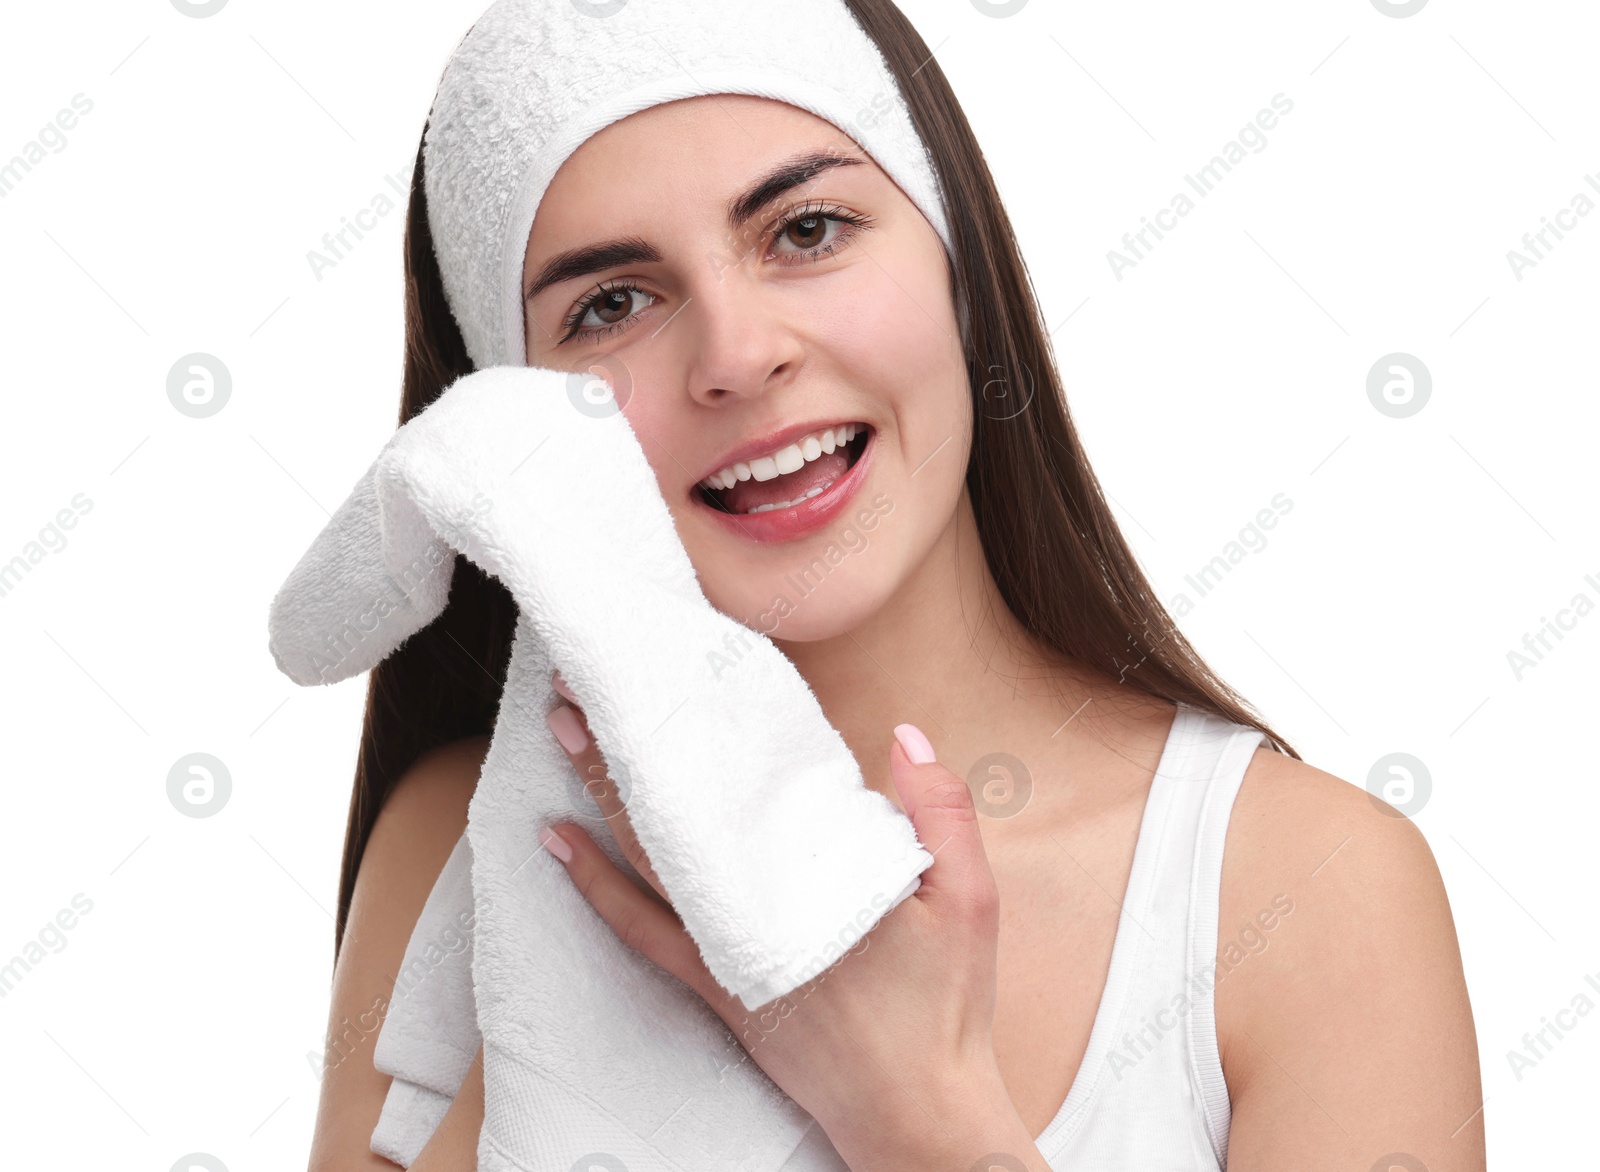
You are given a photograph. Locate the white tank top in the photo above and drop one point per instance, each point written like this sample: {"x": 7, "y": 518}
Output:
{"x": 1149, "y": 1094}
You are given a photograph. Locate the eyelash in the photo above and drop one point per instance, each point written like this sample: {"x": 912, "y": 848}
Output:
{"x": 853, "y": 222}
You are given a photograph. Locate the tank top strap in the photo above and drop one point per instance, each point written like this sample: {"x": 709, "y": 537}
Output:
{"x": 1210, "y": 781}
{"x": 1150, "y": 1091}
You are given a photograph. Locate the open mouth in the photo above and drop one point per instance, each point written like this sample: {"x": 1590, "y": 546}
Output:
{"x": 787, "y": 490}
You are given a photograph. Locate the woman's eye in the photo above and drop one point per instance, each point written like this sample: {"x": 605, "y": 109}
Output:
{"x": 817, "y": 231}
{"x": 610, "y": 307}
{"x": 604, "y": 311}
{"x": 808, "y": 231}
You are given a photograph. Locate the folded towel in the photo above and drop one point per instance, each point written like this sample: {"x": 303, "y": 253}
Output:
{"x": 430, "y": 1036}
{"x": 753, "y": 811}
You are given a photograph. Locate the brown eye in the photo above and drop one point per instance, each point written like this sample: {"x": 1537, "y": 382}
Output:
{"x": 606, "y": 310}
{"x": 808, "y": 231}
{"x": 815, "y": 232}
{"x": 613, "y": 305}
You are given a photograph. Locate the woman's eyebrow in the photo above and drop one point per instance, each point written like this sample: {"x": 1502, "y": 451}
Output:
{"x": 789, "y": 174}
{"x": 594, "y": 258}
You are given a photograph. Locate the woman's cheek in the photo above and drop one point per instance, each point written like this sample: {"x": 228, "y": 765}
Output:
{"x": 744, "y": 597}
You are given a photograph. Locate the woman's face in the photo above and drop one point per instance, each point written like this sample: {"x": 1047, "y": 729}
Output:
{"x": 739, "y": 312}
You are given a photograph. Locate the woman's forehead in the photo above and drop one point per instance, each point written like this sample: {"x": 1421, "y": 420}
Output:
{"x": 712, "y": 140}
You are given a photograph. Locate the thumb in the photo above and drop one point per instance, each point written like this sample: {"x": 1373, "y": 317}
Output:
{"x": 941, "y": 809}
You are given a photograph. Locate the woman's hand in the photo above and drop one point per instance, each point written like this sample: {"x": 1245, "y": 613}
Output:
{"x": 891, "y": 1049}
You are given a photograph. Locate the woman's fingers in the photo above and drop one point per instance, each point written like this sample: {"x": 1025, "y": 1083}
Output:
{"x": 941, "y": 809}
{"x": 602, "y": 788}
{"x": 572, "y": 730}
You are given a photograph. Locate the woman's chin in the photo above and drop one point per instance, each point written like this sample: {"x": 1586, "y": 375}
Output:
{"x": 792, "y": 610}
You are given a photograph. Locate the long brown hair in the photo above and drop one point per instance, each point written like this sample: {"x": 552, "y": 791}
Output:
{"x": 1052, "y": 544}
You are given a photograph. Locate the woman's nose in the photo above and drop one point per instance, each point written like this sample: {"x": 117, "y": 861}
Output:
{"x": 739, "y": 339}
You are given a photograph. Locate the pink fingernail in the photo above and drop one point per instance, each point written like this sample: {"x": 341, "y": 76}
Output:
{"x": 919, "y": 751}
{"x": 560, "y": 685}
{"x": 555, "y": 844}
{"x": 563, "y": 722}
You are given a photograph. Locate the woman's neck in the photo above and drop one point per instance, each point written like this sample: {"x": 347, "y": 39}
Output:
{"x": 947, "y": 655}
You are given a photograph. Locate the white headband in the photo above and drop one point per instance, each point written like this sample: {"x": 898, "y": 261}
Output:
{"x": 533, "y": 79}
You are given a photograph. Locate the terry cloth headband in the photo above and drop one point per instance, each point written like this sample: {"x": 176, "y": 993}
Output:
{"x": 533, "y": 79}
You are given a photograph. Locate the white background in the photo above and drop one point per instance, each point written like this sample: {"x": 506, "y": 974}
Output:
{"x": 1227, "y": 366}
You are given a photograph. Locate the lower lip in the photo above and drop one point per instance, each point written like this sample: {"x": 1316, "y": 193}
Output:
{"x": 808, "y": 516}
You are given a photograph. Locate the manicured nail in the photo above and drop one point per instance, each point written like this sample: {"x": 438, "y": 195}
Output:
{"x": 563, "y": 722}
{"x": 918, "y": 749}
{"x": 555, "y": 844}
{"x": 560, "y": 685}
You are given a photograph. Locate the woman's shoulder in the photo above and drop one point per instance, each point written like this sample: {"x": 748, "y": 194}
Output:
{"x": 1338, "y": 965}
{"x": 1359, "y": 875}
{"x": 440, "y": 782}
{"x": 422, "y": 817}
{"x": 1291, "y": 817}
{"x": 421, "y": 820}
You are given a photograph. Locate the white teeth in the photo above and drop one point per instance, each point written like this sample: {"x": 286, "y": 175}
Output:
{"x": 790, "y": 458}
{"x": 784, "y": 460}
{"x": 786, "y": 504}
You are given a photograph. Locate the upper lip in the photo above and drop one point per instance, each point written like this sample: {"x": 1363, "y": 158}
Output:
{"x": 774, "y": 440}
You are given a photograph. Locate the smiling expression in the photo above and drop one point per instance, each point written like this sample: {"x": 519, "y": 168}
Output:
{"x": 783, "y": 315}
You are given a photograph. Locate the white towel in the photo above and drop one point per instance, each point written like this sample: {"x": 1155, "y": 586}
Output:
{"x": 750, "y": 805}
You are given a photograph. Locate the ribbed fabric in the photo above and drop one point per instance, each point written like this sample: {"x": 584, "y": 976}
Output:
{"x": 1150, "y": 1094}
{"x": 1204, "y": 893}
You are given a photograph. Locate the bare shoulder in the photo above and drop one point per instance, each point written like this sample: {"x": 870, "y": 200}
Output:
{"x": 423, "y": 817}
{"x": 1291, "y": 817}
{"x": 439, "y": 784}
{"x": 1341, "y": 1007}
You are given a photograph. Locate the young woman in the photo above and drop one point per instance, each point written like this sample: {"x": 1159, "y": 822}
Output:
{"x": 1152, "y": 935}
